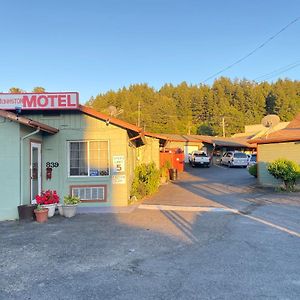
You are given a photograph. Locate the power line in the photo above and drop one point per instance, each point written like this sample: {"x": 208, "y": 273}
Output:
{"x": 277, "y": 72}
{"x": 254, "y": 50}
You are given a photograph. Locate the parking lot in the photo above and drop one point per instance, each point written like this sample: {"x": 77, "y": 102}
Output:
{"x": 213, "y": 234}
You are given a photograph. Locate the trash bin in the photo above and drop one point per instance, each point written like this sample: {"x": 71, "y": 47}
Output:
{"x": 26, "y": 212}
{"x": 173, "y": 174}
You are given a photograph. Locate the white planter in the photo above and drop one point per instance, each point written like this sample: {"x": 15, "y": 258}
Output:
{"x": 51, "y": 209}
{"x": 69, "y": 211}
{"x": 60, "y": 209}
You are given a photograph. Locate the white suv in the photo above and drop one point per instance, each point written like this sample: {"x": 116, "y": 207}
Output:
{"x": 234, "y": 159}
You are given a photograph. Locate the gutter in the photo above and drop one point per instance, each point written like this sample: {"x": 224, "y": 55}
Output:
{"x": 21, "y": 161}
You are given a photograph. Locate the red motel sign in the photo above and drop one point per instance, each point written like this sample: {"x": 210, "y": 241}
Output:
{"x": 36, "y": 101}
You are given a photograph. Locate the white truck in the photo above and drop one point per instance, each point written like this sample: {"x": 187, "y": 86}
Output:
{"x": 199, "y": 158}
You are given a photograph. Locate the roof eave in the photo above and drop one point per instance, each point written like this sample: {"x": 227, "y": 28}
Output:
{"x": 28, "y": 122}
{"x": 110, "y": 120}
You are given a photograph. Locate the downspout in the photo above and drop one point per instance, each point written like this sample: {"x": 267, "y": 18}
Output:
{"x": 21, "y": 161}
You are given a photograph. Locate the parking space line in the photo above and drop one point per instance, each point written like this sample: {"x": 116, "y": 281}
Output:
{"x": 297, "y": 234}
{"x": 186, "y": 208}
{"x": 216, "y": 209}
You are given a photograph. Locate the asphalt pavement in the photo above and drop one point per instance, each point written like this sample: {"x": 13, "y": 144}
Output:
{"x": 238, "y": 242}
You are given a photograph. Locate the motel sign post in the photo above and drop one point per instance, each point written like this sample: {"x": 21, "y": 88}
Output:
{"x": 36, "y": 101}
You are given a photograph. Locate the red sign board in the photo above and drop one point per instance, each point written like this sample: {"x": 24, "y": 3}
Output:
{"x": 33, "y": 101}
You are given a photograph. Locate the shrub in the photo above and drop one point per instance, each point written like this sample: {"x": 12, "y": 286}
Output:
{"x": 285, "y": 170}
{"x": 253, "y": 170}
{"x": 168, "y": 164}
{"x": 71, "y": 200}
{"x": 164, "y": 170}
{"x": 146, "y": 180}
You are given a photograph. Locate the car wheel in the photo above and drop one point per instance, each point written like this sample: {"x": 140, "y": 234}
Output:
{"x": 229, "y": 164}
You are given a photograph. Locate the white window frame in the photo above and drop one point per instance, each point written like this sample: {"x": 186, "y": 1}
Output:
{"x": 88, "y": 157}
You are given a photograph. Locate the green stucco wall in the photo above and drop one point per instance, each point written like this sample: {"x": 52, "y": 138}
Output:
{"x": 149, "y": 152}
{"x": 72, "y": 126}
{"x": 78, "y": 126}
{"x": 268, "y": 153}
{"x": 9, "y": 169}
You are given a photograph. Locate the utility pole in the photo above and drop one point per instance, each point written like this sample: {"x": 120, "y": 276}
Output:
{"x": 223, "y": 125}
{"x": 139, "y": 114}
{"x": 189, "y": 128}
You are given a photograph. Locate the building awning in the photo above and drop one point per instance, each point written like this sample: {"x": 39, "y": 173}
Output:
{"x": 27, "y": 122}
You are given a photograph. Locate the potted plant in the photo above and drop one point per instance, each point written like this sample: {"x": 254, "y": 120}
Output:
{"x": 41, "y": 214}
{"x": 60, "y": 209}
{"x": 48, "y": 199}
{"x": 70, "y": 205}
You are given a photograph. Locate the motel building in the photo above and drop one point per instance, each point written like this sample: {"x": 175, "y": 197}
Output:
{"x": 50, "y": 141}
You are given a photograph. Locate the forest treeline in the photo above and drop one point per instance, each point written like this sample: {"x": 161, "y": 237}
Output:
{"x": 199, "y": 109}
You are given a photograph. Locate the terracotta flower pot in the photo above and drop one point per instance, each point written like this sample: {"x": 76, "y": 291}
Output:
{"x": 41, "y": 215}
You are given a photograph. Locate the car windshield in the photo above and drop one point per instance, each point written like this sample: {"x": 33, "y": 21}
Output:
{"x": 253, "y": 158}
{"x": 240, "y": 155}
{"x": 200, "y": 154}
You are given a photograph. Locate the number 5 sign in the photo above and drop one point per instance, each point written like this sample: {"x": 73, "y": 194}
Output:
{"x": 118, "y": 163}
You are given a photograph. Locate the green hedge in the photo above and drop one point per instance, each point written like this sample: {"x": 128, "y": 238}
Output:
{"x": 253, "y": 170}
{"x": 146, "y": 180}
{"x": 286, "y": 170}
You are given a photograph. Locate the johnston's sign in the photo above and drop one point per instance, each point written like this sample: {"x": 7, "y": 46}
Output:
{"x": 64, "y": 100}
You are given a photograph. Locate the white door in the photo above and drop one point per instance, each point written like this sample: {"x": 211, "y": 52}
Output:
{"x": 35, "y": 171}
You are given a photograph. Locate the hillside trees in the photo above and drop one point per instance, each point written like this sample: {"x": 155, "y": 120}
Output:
{"x": 192, "y": 109}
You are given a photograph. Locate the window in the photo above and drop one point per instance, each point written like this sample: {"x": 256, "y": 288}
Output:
{"x": 201, "y": 154}
{"x": 240, "y": 155}
{"x": 89, "y": 193}
{"x": 88, "y": 158}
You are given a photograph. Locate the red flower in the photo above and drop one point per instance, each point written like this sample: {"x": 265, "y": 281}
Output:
{"x": 47, "y": 197}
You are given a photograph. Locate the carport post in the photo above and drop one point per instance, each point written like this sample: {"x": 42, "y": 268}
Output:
{"x": 212, "y": 154}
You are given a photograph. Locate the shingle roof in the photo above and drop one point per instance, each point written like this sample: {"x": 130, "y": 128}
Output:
{"x": 289, "y": 134}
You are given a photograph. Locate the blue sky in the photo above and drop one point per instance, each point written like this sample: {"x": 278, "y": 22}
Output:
{"x": 93, "y": 46}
